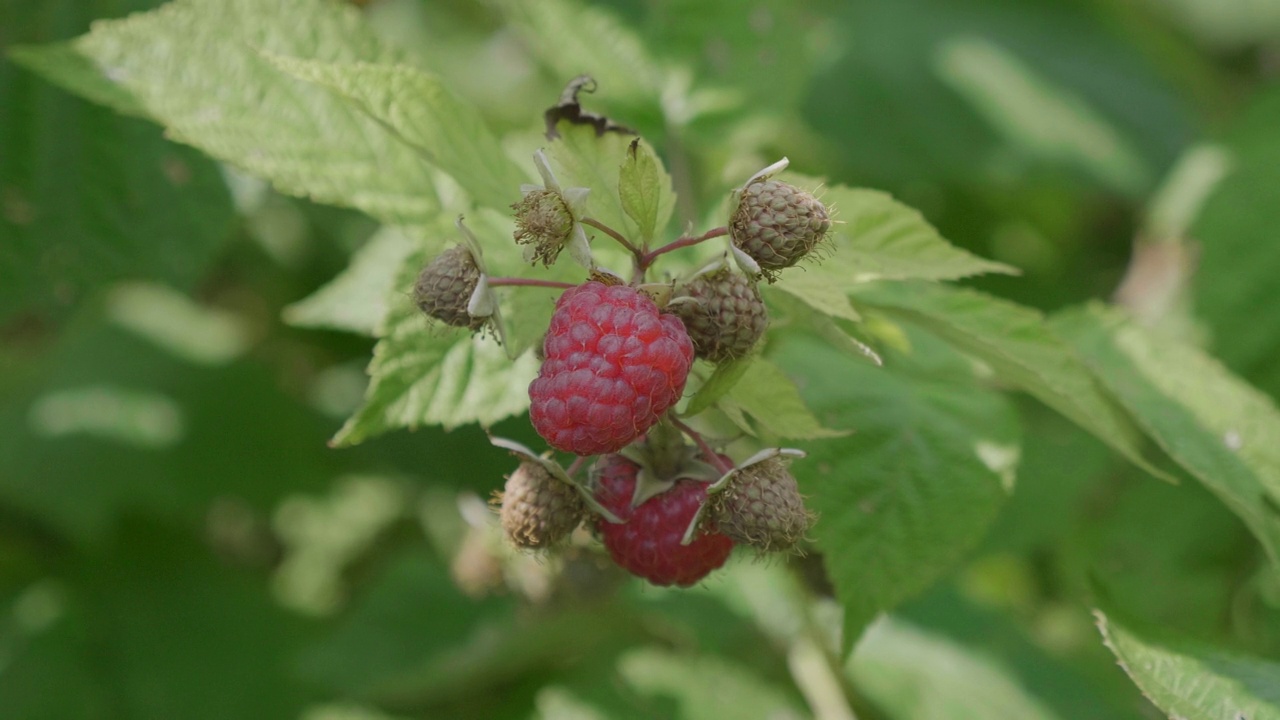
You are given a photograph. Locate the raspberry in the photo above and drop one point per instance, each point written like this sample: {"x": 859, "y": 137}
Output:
{"x": 613, "y": 366}
{"x": 724, "y": 314}
{"x": 761, "y": 507}
{"x": 445, "y": 286}
{"x": 647, "y": 542}
{"x": 777, "y": 224}
{"x": 538, "y": 510}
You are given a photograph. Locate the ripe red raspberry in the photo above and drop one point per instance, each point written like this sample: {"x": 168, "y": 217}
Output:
{"x": 647, "y": 542}
{"x": 613, "y": 366}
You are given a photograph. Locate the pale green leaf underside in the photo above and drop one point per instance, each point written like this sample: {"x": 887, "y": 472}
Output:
{"x": 1193, "y": 680}
{"x": 195, "y": 66}
{"x": 878, "y": 238}
{"x": 427, "y": 375}
{"x": 1016, "y": 342}
{"x": 771, "y": 400}
{"x": 1221, "y": 430}
{"x": 357, "y": 299}
{"x": 917, "y": 675}
{"x": 424, "y": 373}
{"x": 909, "y": 492}
{"x": 426, "y": 115}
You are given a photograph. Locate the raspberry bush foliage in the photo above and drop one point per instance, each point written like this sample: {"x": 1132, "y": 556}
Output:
{"x": 563, "y": 359}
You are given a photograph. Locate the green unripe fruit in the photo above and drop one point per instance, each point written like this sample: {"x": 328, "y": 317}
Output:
{"x": 723, "y": 313}
{"x": 444, "y": 288}
{"x": 538, "y": 510}
{"x": 761, "y": 507}
{"x": 776, "y": 224}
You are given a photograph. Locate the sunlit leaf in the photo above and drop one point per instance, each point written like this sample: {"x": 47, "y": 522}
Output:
{"x": 196, "y": 67}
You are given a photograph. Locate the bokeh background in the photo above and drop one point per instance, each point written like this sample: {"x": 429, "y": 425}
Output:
{"x": 178, "y": 541}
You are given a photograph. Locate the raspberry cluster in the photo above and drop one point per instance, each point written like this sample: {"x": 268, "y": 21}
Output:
{"x": 616, "y": 358}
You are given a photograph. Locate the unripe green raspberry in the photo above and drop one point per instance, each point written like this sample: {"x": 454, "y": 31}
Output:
{"x": 538, "y": 510}
{"x": 761, "y": 507}
{"x": 445, "y": 286}
{"x": 723, "y": 312}
{"x": 777, "y": 224}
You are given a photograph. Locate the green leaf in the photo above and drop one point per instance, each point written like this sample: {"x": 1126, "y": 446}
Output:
{"x": 580, "y": 158}
{"x": 1194, "y": 680}
{"x": 645, "y": 190}
{"x": 1214, "y": 425}
{"x": 927, "y": 469}
{"x": 1039, "y": 118}
{"x": 427, "y": 374}
{"x": 916, "y": 675}
{"x": 372, "y": 643}
{"x": 88, "y": 197}
{"x": 768, "y": 396}
{"x": 822, "y": 292}
{"x": 426, "y": 115}
{"x": 1020, "y": 348}
{"x": 62, "y": 65}
{"x": 705, "y": 687}
{"x": 357, "y": 299}
{"x": 149, "y": 624}
{"x": 572, "y": 38}
{"x": 796, "y": 310}
{"x": 721, "y": 381}
{"x": 877, "y": 238}
{"x": 196, "y": 67}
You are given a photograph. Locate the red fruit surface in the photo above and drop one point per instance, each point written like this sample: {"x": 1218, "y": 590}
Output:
{"x": 647, "y": 542}
{"x": 614, "y": 364}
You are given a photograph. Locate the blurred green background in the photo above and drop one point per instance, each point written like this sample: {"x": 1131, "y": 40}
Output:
{"x": 178, "y": 541}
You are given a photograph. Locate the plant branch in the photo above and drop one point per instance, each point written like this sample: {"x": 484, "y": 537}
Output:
{"x": 622, "y": 240}
{"x": 527, "y": 282}
{"x": 712, "y": 458}
{"x": 647, "y": 258}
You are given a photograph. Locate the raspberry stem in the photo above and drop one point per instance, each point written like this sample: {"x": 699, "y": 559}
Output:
{"x": 707, "y": 453}
{"x": 576, "y": 465}
{"x": 646, "y": 259}
{"x": 528, "y": 282}
{"x": 622, "y": 240}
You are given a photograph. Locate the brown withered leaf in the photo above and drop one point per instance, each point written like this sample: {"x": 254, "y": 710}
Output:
{"x": 569, "y": 109}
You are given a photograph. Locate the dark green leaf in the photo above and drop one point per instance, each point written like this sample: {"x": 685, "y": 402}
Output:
{"x": 1213, "y": 424}
{"x": 1021, "y": 350}
{"x": 929, "y": 464}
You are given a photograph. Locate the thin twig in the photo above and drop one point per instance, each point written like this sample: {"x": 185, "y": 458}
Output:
{"x": 622, "y": 240}
{"x": 712, "y": 458}
{"x": 527, "y": 282}
{"x": 647, "y": 259}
